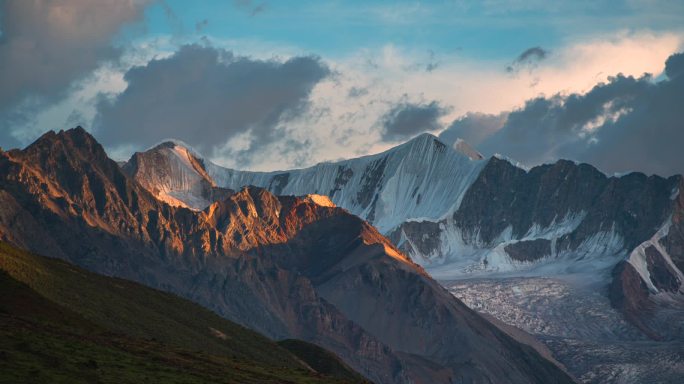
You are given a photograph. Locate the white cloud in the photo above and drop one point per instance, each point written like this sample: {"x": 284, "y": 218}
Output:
{"x": 343, "y": 120}
{"x": 344, "y": 126}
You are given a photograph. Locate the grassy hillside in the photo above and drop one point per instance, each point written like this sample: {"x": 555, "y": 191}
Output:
{"x": 321, "y": 360}
{"x": 59, "y": 323}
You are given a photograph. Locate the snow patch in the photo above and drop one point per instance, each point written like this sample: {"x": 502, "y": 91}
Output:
{"x": 464, "y": 254}
{"x": 637, "y": 258}
{"x": 556, "y": 229}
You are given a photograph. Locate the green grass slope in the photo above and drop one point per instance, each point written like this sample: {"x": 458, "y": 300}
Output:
{"x": 321, "y": 360}
{"x": 62, "y": 324}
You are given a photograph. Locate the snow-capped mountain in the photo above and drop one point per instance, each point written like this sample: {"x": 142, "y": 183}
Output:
{"x": 460, "y": 215}
{"x": 512, "y": 220}
{"x": 583, "y": 261}
{"x": 422, "y": 178}
{"x": 175, "y": 175}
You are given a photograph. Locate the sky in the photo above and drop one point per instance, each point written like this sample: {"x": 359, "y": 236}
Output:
{"x": 268, "y": 85}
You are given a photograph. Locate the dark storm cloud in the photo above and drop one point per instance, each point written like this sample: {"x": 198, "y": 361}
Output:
{"x": 529, "y": 58}
{"x": 550, "y": 127}
{"x": 408, "y": 119}
{"x": 623, "y": 125}
{"x": 474, "y": 128}
{"x": 206, "y": 96}
{"x": 674, "y": 66}
{"x": 47, "y": 44}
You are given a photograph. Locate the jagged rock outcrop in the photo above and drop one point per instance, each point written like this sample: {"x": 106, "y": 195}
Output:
{"x": 285, "y": 266}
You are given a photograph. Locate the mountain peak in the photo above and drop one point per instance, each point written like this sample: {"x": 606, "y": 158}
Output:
{"x": 422, "y": 142}
{"x": 176, "y": 144}
{"x": 431, "y": 142}
{"x": 164, "y": 144}
{"x": 67, "y": 144}
{"x": 424, "y": 138}
{"x": 176, "y": 174}
{"x": 78, "y": 135}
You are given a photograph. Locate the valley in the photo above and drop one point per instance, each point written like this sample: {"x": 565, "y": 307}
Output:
{"x": 575, "y": 321}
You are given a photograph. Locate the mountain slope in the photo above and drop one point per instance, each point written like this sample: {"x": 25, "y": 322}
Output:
{"x": 62, "y": 323}
{"x": 64, "y": 197}
{"x": 618, "y": 239}
{"x": 285, "y": 266}
{"x": 460, "y": 216}
{"x": 321, "y": 360}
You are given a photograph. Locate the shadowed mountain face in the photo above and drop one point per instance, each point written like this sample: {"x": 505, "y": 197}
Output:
{"x": 287, "y": 267}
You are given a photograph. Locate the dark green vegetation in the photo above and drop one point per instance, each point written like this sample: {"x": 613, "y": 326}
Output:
{"x": 321, "y": 360}
{"x": 62, "y": 324}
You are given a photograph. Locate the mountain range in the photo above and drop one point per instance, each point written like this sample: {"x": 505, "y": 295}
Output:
{"x": 288, "y": 265}
{"x": 465, "y": 217}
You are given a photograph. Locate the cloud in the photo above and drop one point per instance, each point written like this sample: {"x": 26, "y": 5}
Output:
{"x": 223, "y": 104}
{"x": 674, "y": 66}
{"x": 529, "y": 59}
{"x": 473, "y": 127}
{"x": 534, "y": 53}
{"x": 344, "y": 121}
{"x": 408, "y": 119}
{"x": 626, "y": 124}
{"x": 46, "y": 45}
{"x": 649, "y": 137}
{"x": 343, "y": 114}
